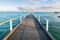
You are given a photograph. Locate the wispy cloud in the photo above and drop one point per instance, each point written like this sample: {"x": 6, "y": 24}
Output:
{"x": 57, "y": 3}
{"x": 36, "y": 1}
{"x": 32, "y": 1}
{"x": 42, "y": 2}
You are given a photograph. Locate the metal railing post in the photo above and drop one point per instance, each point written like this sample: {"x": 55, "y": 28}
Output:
{"x": 39, "y": 18}
{"x": 47, "y": 25}
{"x": 10, "y": 24}
{"x": 20, "y": 18}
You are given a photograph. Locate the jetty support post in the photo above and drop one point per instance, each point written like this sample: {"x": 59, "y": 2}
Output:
{"x": 39, "y": 18}
{"x": 10, "y": 24}
{"x": 47, "y": 24}
{"x": 20, "y": 18}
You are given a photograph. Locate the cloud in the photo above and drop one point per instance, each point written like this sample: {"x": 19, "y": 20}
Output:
{"x": 33, "y": 1}
{"x": 36, "y": 1}
{"x": 57, "y": 3}
{"x": 41, "y": 2}
{"x": 8, "y": 9}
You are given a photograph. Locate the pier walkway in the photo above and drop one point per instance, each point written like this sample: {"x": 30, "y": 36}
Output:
{"x": 29, "y": 29}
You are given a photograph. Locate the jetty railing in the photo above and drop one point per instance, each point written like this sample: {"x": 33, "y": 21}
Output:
{"x": 51, "y": 26}
{"x": 45, "y": 24}
{"x": 8, "y": 25}
{"x": 11, "y": 20}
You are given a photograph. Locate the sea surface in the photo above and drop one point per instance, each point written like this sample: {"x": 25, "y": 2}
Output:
{"x": 54, "y": 22}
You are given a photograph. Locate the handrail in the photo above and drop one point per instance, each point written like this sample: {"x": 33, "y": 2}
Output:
{"x": 11, "y": 28}
{"x": 1, "y": 23}
{"x": 47, "y": 26}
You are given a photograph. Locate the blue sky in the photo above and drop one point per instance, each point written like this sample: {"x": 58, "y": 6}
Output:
{"x": 13, "y": 4}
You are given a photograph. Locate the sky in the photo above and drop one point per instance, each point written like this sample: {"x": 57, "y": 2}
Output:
{"x": 14, "y": 4}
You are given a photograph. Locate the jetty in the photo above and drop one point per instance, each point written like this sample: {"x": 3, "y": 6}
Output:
{"x": 29, "y": 29}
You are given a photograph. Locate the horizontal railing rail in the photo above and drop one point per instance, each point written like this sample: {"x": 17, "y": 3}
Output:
{"x": 11, "y": 27}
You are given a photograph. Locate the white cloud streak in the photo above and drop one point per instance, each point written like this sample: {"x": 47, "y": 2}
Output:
{"x": 57, "y": 3}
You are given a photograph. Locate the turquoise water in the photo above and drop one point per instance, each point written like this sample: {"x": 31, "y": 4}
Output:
{"x": 54, "y": 23}
{"x": 9, "y": 15}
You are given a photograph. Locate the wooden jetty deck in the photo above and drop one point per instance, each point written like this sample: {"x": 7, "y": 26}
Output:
{"x": 29, "y": 29}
